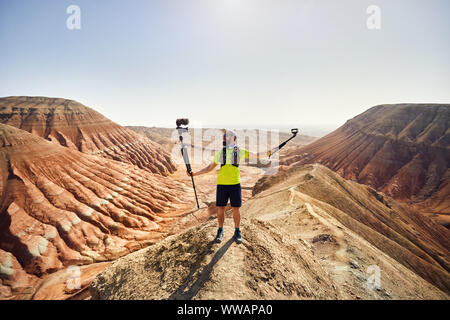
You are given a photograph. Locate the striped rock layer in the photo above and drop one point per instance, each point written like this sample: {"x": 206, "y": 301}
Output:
{"x": 81, "y": 128}
{"x": 402, "y": 150}
{"x": 60, "y": 207}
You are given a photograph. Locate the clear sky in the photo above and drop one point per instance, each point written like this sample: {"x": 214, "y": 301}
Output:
{"x": 256, "y": 63}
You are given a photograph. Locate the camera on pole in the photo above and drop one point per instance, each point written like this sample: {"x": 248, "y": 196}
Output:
{"x": 180, "y": 123}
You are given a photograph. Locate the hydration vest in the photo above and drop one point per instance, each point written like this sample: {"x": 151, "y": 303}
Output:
{"x": 234, "y": 159}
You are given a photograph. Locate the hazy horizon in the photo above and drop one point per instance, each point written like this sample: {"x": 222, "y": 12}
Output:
{"x": 308, "y": 130}
{"x": 254, "y": 63}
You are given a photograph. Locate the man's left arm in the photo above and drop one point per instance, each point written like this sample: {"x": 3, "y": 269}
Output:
{"x": 257, "y": 156}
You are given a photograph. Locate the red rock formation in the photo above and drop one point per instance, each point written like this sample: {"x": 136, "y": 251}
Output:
{"x": 78, "y": 127}
{"x": 402, "y": 150}
{"x": 401, "y": 232}
{"x": 59, "y": 207}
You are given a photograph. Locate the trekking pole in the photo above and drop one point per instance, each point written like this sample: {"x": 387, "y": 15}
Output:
{"x": 294, "y": 133}
{"x": 184, "y": 153}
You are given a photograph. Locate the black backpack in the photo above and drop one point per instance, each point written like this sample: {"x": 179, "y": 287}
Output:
{"x": 234, "y": 160}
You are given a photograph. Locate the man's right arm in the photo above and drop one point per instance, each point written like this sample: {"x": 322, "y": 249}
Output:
{"x": 206, "y": 169}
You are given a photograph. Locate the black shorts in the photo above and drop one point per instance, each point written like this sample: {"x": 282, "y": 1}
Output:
{"x": 233, "y": 192}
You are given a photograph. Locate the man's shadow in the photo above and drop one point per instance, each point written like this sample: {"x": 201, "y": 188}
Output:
{"x": 205, "y": 275}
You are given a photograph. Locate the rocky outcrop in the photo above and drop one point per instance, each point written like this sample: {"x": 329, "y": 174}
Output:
{"x": 402, "y": 150}
{"x": 309, "y": 235}
{"x": 60, "y": 207}
{"x": 81, "y": 128}
{"x": 192, "y": 266}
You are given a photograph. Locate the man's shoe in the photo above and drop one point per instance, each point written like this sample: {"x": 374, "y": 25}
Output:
{"x": 237, "y": 236}
{"x": 219, "y": 236}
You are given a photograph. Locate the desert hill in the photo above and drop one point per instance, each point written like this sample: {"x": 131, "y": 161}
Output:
{"x": 402, "y": 150}
{"x": 81, "y": 128}
{"x": 78, "y": 189}
{"x": 162, "y": 136}
{"x": 308, "y": 234}
{"x": 60, "y": 207}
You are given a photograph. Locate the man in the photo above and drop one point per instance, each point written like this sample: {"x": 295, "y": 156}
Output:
{"x": 228, "y": 181}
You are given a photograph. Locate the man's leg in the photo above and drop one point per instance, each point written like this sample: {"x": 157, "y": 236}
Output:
{"x": 237, "y": 216}
{"x": 221, "y": 216}
{"x": 220, "y": 219}
{"x": 236, "y": 202}
{"x": 221, "y": 202}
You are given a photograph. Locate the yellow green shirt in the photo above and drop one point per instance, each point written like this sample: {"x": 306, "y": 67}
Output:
{"x": 229, "y": 174}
